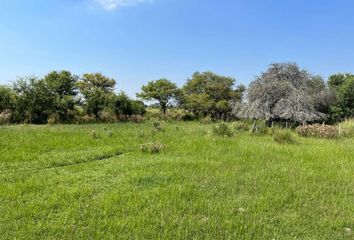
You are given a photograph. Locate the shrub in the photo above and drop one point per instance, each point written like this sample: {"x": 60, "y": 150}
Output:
{"x": 157, "y": 126}
{"x": 170, "y": 115}
{"x": 261, "y": 129}
{"x": 136, "y": 118}
{"x": 187, "y": 117}
{"x": 53, "y": 119}
{"x": 5, "y": 117}
{"x": 206, "y": 120}
{"x": 86, "y": 119}
{"x": 152, "y": 147}
{"x": 107, "y": 117}
{"x": 241, "y": 126}
{"x": 122, "y": 118}
{"x": 283, "y": 137}
{"x": 222, "y": 129}
{"x": 317, "y": 130}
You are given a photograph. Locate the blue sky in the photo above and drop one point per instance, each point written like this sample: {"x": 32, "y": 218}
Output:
{"x": 135, "y": 41}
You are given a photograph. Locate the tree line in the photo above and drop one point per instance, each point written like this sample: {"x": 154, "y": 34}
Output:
{"x": 284, "y": 92}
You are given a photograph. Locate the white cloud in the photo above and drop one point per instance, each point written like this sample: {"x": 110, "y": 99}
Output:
{"x": 110, "y": 5}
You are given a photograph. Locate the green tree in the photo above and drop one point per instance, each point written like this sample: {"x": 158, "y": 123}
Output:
{"x": 97, "y": 91}
{"x": 63, "y": 90}
{"x": 138, "y": 107}
{"x": 161, "y": 90}
{"x": 124, "y": 105}
{"x": 210, "y": 94}
{"x": 343, "y": 86}
{"x": 33, "y": 102}
{"x": 7, "y": 98}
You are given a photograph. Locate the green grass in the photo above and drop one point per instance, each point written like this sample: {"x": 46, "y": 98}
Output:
{"x": 57, "y": 182}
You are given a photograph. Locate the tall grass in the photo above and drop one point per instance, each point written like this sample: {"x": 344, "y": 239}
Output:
{"x": 58, "y": 182}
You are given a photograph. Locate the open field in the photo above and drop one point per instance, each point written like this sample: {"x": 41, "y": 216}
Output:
{"x": 58, "y": 182}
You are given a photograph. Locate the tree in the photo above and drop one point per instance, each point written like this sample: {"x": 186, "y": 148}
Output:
{"x": 138, "y": 107}
{"x": 343, "y": 86}
{"x": 161, "y": 90}
{"x": 124, "y": 105}
{"x": 63, "y": 88}
{"x": 285, "y": 92}
{"x": 34, "y": 102}
{"x": 97, "y": 90}
{"x": 210, "y": 94}
{"x": 7, "y": 98}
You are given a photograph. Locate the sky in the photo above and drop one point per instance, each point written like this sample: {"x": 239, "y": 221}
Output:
{"x": 135, "y": 41}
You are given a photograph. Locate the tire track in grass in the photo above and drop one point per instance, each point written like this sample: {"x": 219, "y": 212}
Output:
{"x": 62, "y": 164}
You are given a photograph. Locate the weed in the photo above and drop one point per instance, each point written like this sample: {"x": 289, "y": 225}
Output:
{"x": 158, "y": 126}
{"x": 222, "y": 129}
{"x": 94, "y": 134}
{"x": 151, "y": 147}
{"x": 283, "y": 137}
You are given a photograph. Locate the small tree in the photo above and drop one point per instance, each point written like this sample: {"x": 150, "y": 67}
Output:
{"x": 124, "y": 105}
{"x": 63, "y": 88}
{"x": 34, "y": 101}
{"x": 161, "y": 90}
{"x": 210, "y": 94}
{"x": 7, "y": 97}
{"x": 343, "y": 86}
{"x": 97, "y": 91}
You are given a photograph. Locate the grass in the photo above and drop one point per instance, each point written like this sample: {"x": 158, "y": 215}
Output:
{"x": 58, "y": 182}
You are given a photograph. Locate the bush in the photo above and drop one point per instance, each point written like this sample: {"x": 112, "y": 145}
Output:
{"x": 107, "y": 117}
{"x": 261, "y": 129}
{"x": 222, "y": 129}
{"x": 53, "y": 119}
{"x": 206, "y": 120}
{"x": 152, "y": 147}
{"x": 157, "y": 126}
{"x": 86, "y": 119}
{"x": 317, "y": 130}
{"x": 241, "y": 126}
{"x": 283, "y": 137}
{"x": 5, "y": 117}
{"x": 122, "y": 118}
{"x": 188, "y": 117}
{"x": 170, "y": 115}
{"x": 136, "y": 118}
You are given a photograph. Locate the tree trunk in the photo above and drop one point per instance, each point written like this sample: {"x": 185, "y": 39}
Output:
{"x": 163, "y": 108}
{"x": 254, "y": 125}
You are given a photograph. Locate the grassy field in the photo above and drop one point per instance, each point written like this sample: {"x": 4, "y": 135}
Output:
{"x": 58, "y": 182}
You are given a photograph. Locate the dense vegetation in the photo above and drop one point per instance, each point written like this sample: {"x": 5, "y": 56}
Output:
{"x": 173, "y": 180}
{"x": 239, "y": 172}
{"x": 284, "y": 93}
